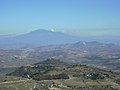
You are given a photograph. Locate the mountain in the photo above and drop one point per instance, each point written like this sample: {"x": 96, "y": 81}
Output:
{"x": 44, "y": 37}
{"x": 37, "y": 38}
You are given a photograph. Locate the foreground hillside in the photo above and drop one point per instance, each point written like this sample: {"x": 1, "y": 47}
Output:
{"x": 54, "y": 74}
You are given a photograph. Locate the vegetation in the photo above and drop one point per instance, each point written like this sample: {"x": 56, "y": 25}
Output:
{"x": 50, "y": 77}
{"x": 54, "y": 74}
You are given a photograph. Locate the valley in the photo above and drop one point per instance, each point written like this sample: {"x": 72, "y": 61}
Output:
{"x": 83, "y": 65}
{"x": 106, "y": 56}
{"x": 59, "y": 44}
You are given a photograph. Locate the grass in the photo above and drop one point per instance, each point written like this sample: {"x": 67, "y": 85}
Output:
{"x": 53, "y": 72}
{"x": 58, "y": 84}
{"x": 92, "y": 83}
{"x": 72, "y": 82}
{"x": 18, "y": 86}
{"x": 10, "y": 78}
{"x": 79, "y": 79}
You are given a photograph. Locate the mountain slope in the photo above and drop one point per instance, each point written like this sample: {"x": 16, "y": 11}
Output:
{"x": 45, "y": 37}
{"x": 39, "y": 37}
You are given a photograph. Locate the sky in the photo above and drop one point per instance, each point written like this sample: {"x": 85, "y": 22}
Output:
{"x": 77, "y": 17}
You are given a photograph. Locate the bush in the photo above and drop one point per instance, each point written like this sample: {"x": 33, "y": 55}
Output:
{"x": 51, "y": 77}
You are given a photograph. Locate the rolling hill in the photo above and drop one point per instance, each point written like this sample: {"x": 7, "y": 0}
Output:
{"x": 49, "y": 75}
{"x": 102, "y": 55}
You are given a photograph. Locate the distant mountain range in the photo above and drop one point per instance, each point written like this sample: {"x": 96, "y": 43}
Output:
{"x": 40, "y": 45}
{"x": 45, "y": 37}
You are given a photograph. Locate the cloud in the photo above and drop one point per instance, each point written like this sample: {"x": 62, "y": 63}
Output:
{"x": 52, "y": 30}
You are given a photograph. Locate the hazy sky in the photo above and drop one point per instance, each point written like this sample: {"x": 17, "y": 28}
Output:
{"x": 79, "y": 17}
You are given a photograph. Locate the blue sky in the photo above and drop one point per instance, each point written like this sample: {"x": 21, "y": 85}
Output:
{"x": 77, "y": 17}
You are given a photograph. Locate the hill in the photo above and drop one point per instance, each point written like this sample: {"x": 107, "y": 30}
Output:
{"x": 69, "y": 77}
{"x": 98, "y": 54}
